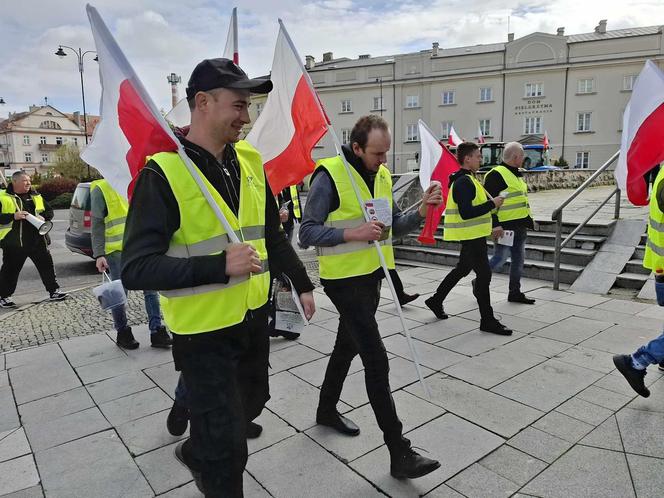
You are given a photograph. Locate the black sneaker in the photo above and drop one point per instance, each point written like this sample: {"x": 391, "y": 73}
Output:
{"x": 254, "y": 430}
{"x": 6, "y": 302}
{"x": 286, "y": 334}
{"x": 436, "y": 307}
{"x": 178, "y": 419}
{"x": 409, "y": 464}
{"x": 520, "y": 298}
{"x": 125, "y": 339}
{"x": 180, "y": 455}
{"x": 160, "y": 338}
{"x": 635, "y": 377}
{"x": 57, "y": 296}
{"x": 660, "y": 367}
{"x": 495, "y": 327}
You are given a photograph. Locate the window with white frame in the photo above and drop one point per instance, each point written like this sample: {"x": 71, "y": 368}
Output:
{"x": 534, "y": 89}
{"x": 582, "y": 160}
{"x": 377, "y": 104}
{"x": 345, "y": 136}
{"x": 44, "y": 157}
{"x": 346, "y": 105}
{"x": 413, "y": 101}
{"x": 583, "y": 121}
{"x": 532, "y": 125}
{"x": 628, "y": 82}
{"x": 28, "y": 157}
{"x": 412, "y": 134}
{"x": 259, "y": 108}
{"x": 586, "y": 85}
{"x": 486, "y": 94}
{"x": 448, "y": 97}
{"x": 59, "y": 141}
{"x": 446, "y": 126}
{"x": 42, "y": 140}
{"x": 26, "y": 139}
{"x": 485, "y": 127}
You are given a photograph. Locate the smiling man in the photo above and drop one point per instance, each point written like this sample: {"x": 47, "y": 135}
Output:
{"x": 214, "y": 294}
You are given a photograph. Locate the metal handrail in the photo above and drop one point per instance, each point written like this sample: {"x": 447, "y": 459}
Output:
{"x": 557, "y": 216}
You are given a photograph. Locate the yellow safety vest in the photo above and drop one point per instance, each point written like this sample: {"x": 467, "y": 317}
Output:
{"x": 455, "y": 227}
{"x": 654, "y": 257}
{"x": 10, "y": 203}
{"x": 516, "y": 205}
{"x": 215, "y": 306}
{"x": 296, "y": 202}
{"x": 114, "y": 221}
{"x": 352, "y": 259}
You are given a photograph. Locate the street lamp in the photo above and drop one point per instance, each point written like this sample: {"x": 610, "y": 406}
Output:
{"x": 79, "y": 54}
{"x": 380, "y": 82}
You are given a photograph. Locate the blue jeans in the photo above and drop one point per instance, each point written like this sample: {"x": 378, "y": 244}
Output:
{"x": 651, "y": 353}
{"x": 151, "y": 298}
{"x": 516, "y": 253}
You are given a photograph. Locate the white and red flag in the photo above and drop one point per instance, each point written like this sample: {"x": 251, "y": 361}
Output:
{"x": 436, "y": 163}
{"x": 292, "y": 121}
{"x": 480, "y": 137}
{"x": 453, "y": 139}
{"x": 642, "y": 142}
{"x": 231, "y": 50}
{"x": 545, "y": 141}
{"x": 131, "y": 127}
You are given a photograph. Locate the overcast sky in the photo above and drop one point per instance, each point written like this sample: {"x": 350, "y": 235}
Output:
{"x": 164, "y": 36}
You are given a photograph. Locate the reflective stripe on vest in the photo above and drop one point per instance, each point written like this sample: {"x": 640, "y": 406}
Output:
{"x": 10, "y": 203}
{"x": 654, "y": 256}
{"x": 455, "y": 227}
{"x": 516, "y": 205}
{"x": 296, "y": 202}
{"x": 351, "y": 259}
{"x": 116, "y": 216}
{"x": 213, "y": 307}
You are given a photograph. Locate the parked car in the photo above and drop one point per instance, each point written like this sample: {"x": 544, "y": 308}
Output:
{"x": 78, "y": 237}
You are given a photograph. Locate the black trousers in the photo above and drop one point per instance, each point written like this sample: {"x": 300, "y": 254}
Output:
{"x": 13, "y": 259}
{"x": 398, "y": 284}
{"x": 473, "y": 257}
{"x": 226, "y": 374}
{"x": 358, "y": 334}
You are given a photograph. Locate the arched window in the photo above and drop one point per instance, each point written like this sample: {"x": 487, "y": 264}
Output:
{"x": 51, "y": 125}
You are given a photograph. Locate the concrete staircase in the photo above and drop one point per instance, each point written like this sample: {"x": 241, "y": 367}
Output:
{"x": 539, "y": 250}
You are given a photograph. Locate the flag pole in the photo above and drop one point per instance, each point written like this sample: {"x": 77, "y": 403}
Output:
{"x": 383, "y": 263}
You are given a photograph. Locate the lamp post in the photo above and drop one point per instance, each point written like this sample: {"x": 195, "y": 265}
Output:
{"x": 79, "y": 54}
{"x": 380, "y": 83}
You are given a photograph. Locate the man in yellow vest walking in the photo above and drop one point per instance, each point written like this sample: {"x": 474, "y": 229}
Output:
{"x": 351, "y": 274}
{"x": 633, "y": 367}
{"x": 513, "y": 215}
{"x": 468, "y": 220}
{"x": 109, "y": 213}
{"x": 214, "y": 293}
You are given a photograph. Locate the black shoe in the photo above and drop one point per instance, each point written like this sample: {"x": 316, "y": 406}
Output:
{"x": 436, "y": 307}
{"x": 623, "y": 363}
{"x": 57, "y": 296}
{"x": 410, "y": 465}
{"x": 6, "y": 302}
{"x": 338, "y": 422}
{"x": 254, "y": 430}
{"x": 660, "y": 367}
{"x": 404, "y": 298}
{"x": 125, "y": 339}
{"x": 178, "y": 419}
{"x": 495, "y": 327}
{"x": 160, "y": 338}
{"x": 520, "y": 298}
{"x": 180, "y": 456}
{"x": 289, "y": 336}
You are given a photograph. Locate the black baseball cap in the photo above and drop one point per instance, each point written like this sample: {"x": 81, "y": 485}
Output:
{"x": 223, "y": 73}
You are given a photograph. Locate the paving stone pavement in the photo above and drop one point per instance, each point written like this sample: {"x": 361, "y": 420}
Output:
{"x": 541, "y": 413}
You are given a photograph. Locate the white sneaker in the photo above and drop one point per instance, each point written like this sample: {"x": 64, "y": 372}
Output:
{"x": 6, "y": 302}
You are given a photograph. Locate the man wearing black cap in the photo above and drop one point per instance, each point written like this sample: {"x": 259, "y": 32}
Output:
{"x": 214, "y": 293}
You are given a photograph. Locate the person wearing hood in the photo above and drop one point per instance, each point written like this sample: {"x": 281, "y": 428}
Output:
{"x": 351, "y": 274}
{"x": 20, "y": 240}
{"x": 468, "y": 220}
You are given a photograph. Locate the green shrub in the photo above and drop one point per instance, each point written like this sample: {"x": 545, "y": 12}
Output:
{"x": 63, "y": 201}
{"x": 51, "y": 189}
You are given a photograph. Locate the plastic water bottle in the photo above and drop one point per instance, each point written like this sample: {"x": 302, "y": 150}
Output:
{"x": 659, "y": 286}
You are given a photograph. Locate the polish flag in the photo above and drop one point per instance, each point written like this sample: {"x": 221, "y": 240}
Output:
{"x": 292, "y": 121}
{"x": 642, "y": 142}
{"x": 480, "y": 137}
{"x": 436, "y": 163}
{"x": 180, "y": 115}
{"x": 131, "y": 127}
{"x": 545, "y": 141}
{"x": 453, "y": 140}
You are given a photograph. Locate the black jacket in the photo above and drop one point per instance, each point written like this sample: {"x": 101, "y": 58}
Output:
{"x": 464, "y": 193}
{"x": 495, "y": 184}
{"x": 23, "y": 234}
